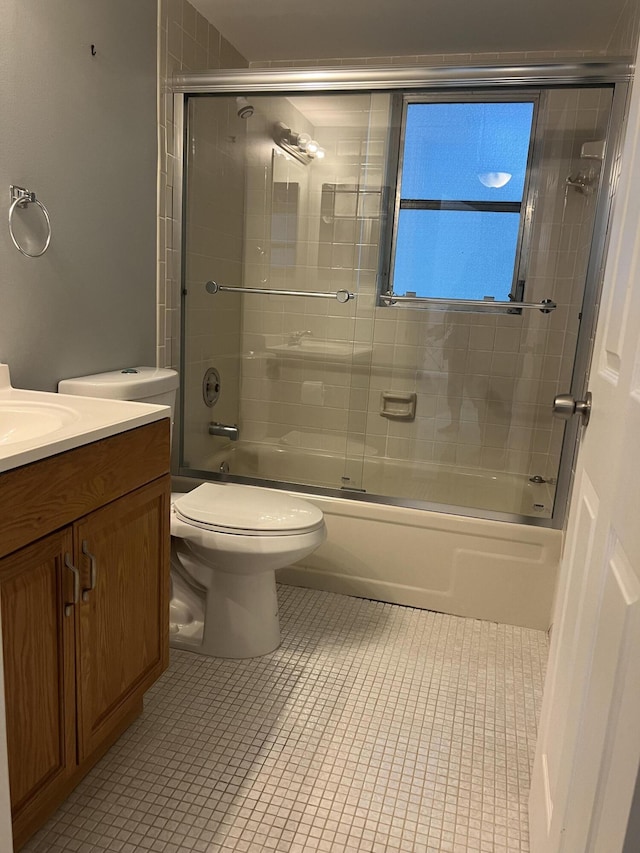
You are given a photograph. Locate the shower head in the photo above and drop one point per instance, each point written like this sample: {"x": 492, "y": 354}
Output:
{"x": 245, "y": 109}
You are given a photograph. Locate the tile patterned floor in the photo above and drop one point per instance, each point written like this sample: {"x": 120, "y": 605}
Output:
{"x": 373, "y": 728}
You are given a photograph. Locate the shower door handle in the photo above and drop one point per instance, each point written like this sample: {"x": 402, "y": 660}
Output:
{"x": 565, "y": 406}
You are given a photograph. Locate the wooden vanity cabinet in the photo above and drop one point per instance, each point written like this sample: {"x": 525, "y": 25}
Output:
{"x": 123, "y": 622}
{"x": 84, "y": 608}
{"x": 39, "y": 669}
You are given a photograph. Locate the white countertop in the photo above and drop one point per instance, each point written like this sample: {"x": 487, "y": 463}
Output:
{"x": 63, "y": 421}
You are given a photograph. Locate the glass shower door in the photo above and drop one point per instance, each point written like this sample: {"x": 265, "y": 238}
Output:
{"x": 459, "y": 407}
{"x": 268, "y": 218}
{"x": 290, "y": 211}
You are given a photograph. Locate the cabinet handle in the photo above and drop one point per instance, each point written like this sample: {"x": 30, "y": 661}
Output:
{"x": 76, "y": 585}
{"x": 93, "y": 576}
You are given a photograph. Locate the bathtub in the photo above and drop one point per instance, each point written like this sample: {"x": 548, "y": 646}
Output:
{"x": 448, "y": 485}
{"x": 462, "y": 565}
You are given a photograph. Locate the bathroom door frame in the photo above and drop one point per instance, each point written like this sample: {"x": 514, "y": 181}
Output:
{"x": 346, "y": 79}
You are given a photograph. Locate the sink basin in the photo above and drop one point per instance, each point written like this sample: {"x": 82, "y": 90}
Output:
{"x": 24, "y": 421}
{"x": 37, "y": 424}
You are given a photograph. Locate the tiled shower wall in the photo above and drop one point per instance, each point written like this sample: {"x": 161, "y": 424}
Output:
{"x": 283, "y": 397}
{"x": 453, "y": 59}
{"x": 215, "y": 213}
{"x": 483, "y": 382}
{"x": 562, "y": 237}
{"x": 186, "y": 42}
{"x": 517, "y": 436}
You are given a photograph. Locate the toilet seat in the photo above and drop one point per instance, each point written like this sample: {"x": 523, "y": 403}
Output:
{"x": 246, "y": 511}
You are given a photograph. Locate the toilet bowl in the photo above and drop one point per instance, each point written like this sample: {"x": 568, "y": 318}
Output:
{"x": 227, "y": 540}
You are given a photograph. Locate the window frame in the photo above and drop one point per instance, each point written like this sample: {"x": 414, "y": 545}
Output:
{"x": 392, "y": 197}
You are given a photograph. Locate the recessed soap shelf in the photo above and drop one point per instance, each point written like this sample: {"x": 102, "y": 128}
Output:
{"x": 398, "y": 407}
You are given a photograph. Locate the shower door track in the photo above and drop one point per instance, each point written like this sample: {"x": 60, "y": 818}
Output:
{"x": 617, "y": 74}
{"x": 375, "y": 78}
{"x": 198, "y": 477}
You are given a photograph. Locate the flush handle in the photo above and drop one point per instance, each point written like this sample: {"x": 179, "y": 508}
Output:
{"x": 93, "y": 573}
{"x": 565, "y": 406}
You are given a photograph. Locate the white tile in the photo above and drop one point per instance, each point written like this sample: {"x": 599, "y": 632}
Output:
{"x": 372, "y": 728}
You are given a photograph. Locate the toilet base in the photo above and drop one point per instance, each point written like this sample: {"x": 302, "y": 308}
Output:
{"x": 185, "y": 626}
{"x": 240, "y": 618}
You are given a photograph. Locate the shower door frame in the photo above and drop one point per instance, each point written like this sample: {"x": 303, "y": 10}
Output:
{"x": 358, "y": 79}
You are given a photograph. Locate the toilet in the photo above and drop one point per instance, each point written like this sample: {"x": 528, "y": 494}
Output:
{"x": 230, "y": 539}
{"x": 227, "y": 540}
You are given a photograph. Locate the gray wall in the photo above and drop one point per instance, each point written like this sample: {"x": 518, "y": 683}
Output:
{"x": 81, "y": 132}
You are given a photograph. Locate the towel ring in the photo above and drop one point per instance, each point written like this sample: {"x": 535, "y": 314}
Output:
{"x": 21, "y": 198}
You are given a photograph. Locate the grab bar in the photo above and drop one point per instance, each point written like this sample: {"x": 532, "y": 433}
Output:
{"x": 341, "y": 295}
{"x": 546, "y": 306}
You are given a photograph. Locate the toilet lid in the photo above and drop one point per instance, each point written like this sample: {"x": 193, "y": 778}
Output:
{"x": 233, "y": 508}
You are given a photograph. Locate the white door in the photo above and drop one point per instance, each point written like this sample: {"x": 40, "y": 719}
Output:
{"x": 588, "y": 750}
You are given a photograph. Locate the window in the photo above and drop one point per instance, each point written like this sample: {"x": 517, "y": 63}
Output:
{"x": 459, "y": 217}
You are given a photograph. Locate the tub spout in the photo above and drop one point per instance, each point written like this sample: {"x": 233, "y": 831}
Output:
{"x": 229, "y": 431}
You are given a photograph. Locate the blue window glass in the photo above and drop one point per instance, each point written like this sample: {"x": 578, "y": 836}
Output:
{"x": 456, "y": 255}
{"x": 463, "y": 178}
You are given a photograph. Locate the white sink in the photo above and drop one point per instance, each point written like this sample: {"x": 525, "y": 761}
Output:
{"x": 28, "y": 420}
{"x": 38, "y": 424}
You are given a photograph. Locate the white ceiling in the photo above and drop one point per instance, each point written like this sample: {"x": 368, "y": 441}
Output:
{"x": 299, "y": 29}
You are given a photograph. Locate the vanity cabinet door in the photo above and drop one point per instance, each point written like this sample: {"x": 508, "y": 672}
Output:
{"x": 38, "y": 618}
{"x": 123, "y": 637}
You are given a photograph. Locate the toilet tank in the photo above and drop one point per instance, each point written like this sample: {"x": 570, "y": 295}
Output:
{"x": 157, "y": 385}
